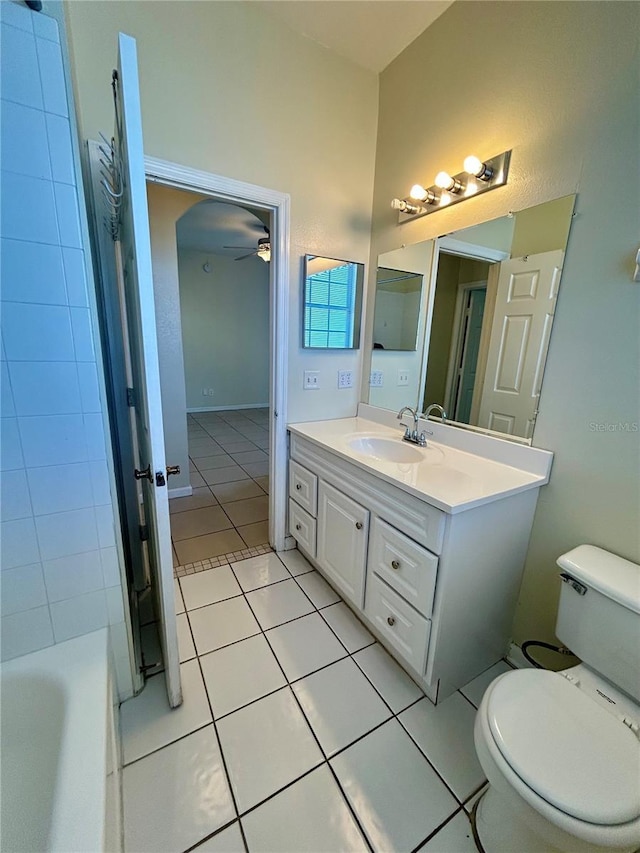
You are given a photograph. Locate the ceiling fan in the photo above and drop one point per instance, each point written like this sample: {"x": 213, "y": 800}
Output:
{"x": 262, "y": 250}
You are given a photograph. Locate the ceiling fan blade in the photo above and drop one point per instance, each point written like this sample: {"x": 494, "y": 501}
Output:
{"x": 242, "y": 257}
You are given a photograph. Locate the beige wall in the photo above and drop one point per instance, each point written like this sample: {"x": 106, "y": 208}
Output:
{"x": 228, "y": 88}
{"x": 557, "y": 83}
{"x": 542, "y": 228}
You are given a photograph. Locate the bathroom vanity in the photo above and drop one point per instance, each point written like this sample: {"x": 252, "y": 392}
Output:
{"x": 427, "y": 545}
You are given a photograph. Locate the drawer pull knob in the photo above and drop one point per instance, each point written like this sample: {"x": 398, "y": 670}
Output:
{"x": 358, "y": 525}
{"x": 298, "y": 486}
{"x": 391, "y": 620}
{"x": 395, "y": 564}
{"x": 298, "y": 527}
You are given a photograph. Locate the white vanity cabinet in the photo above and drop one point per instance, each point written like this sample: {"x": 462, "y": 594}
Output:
{"x": 437, "y": 588}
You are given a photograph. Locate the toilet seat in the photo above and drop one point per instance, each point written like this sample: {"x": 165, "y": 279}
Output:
{"x": 570, "y": 751}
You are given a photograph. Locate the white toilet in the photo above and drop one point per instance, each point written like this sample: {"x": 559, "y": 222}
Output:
{"x": 561, "y": 750}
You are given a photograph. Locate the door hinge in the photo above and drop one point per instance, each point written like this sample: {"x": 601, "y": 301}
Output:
{"x": 144, "y": 532}
{"x": 131, "y": 397}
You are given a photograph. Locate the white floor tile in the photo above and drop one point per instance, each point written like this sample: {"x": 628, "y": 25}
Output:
{"x": 178, "y": 595}
{"x": 309, "y": 816}
{"x": 444, "y": 732}
{"x": 340, "y": 705}
{"x": 470, "y": 803}
{"x": 186, "y": 649}
{"x": 266, "y": 745}
{"x": 474, "y": 690}
{"x": 295, "y": 562}
{"x": 220, "y": 624}
{"x": 208, "y": 587}
{"x": 397, "y": 796}
{"x": 318, "y": 590}
{"x": 228, "y": 840}
{"x": 259, "y": 571}
{"x": 148, "y": 722}
{"x": 392, "y": 682}
{"x": 304, "y": 646}
{"x": 278, "y": 603}
{"x": 239, "y": 674}
{"x": 454, "y": 837}
{"x": 176, "y": 796}
{"x": 349, "y": 629}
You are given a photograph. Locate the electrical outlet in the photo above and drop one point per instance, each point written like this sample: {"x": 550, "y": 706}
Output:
{"x": 375, "y": 379}
{"x": 345, "y": 379}
{"x": 403, "y": 377}
{"x": 311, "y": 380}
{"x": 207, "y": 392}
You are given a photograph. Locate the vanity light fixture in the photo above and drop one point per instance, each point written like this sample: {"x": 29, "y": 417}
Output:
{"x": 478, "y": 176}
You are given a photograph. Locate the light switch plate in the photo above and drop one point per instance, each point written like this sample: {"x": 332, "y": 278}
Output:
{"x": 403, "y": 377}
{"x": 376, "y": 379}
{"x": 311, "y": 380}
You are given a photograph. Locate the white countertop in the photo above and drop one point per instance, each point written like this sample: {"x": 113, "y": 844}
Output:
{"x": 448, "y": 478}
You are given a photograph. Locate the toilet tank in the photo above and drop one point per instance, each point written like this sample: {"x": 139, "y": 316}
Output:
{"x": 599, "y": 614}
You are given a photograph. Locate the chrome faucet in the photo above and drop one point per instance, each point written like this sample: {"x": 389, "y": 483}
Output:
{"x": 427, "y": 412}
{"x": 429, "y": 409}
{"x": 412, "y": 434}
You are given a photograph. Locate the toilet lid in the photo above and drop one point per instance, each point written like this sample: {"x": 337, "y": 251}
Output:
{"x": 567, "y": 748}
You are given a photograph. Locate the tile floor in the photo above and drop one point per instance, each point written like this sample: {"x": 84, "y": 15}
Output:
{"x": 297, "y": 733}
{"x": 229, "y": 470}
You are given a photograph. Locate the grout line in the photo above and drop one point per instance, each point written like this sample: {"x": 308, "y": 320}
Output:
{"x": 164, "y": 745}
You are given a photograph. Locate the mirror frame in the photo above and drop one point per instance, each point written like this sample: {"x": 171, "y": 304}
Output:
{"x": 357, "y": 303}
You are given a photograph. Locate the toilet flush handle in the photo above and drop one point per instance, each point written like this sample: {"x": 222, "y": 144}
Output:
{"x": 580, "y": 588}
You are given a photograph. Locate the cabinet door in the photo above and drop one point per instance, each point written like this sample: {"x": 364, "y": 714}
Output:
{"x": 343, "y": 530}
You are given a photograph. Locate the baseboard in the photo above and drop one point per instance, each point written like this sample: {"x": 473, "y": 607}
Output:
{"x": 516, "y": 658}
{"x": 201, "y": 409}
{"x": 181, "y": 492}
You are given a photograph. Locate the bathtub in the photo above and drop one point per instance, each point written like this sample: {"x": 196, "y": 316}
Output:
{"x": 60, "y": 773}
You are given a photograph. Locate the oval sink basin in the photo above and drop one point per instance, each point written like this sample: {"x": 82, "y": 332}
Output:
{"x": 389, "y": 449}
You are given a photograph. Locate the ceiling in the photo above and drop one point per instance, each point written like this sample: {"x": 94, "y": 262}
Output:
{"x": 369, "y": 32}
{"x": 209, "y": 226}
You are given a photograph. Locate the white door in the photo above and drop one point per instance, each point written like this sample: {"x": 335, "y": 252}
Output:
{"x": 525, "y": 305}
{"x": 135, "y": 274}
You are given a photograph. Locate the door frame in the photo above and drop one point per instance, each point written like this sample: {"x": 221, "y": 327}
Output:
{"x": 458, "y": 340}
{"x": 278, "y": 204}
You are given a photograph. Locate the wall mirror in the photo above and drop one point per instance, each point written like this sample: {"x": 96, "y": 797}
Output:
{"x": 395, "y": 321}
{"x": 486, "y": 322}
{"x": 332, "y": 303}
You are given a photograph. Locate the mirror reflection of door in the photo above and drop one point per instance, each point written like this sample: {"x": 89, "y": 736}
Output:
{"x": 469, "y": 347}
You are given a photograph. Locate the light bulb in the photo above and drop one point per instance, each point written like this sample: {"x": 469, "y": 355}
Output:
{"x": 474, "y": 166}
{"x": 418, "y": 192}
{"x": 403, "y": 206}
{"x": 444, "y": 181}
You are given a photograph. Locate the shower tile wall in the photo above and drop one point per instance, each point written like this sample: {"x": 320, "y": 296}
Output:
{"x": 60, "y": 574}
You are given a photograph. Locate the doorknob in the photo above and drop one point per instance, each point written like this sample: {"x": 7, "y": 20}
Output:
{"x": 144, "y": 475}
{"x": 172, "y": 469}
{"x": 358, "y": 525}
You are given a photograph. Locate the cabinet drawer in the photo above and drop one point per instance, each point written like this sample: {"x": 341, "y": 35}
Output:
{"x": 302, "y": 527}
{"x": 404, "y": 629}
{"x": 303, "y": 487}
{"x": 406, "y": 566}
